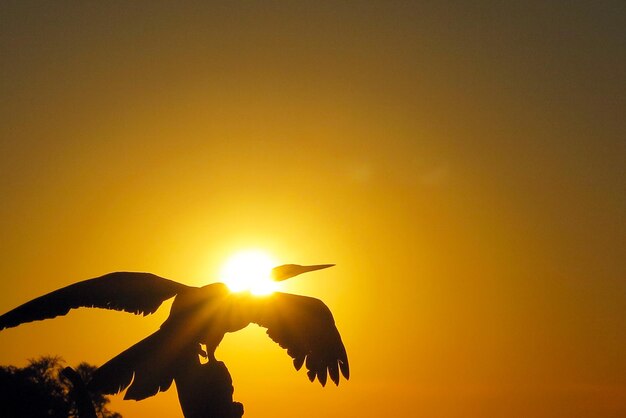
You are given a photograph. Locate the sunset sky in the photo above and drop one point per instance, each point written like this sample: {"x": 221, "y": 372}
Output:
{"x": 463, "y": 164}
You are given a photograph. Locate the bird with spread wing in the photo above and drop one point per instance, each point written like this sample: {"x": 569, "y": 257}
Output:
{"x": 302, "y": 325}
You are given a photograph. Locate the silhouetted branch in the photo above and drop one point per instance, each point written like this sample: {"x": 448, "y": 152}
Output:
{"x": 79, "y": 394}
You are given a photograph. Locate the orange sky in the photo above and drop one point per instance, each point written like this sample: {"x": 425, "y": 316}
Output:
{"x": 464, "y": 167}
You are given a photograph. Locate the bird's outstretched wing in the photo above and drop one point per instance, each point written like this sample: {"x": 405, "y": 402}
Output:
{"x": 150, "y": 365}
{"x": 306, "y": 328}
{"x": 138, "y": 293}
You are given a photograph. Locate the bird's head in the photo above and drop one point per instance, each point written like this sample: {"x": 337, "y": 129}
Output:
{"x": 287, "y": 271}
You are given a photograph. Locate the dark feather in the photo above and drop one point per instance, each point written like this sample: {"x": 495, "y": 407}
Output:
{"x": 298, "y": 361}
{"x": 306, "y": 328}
{"x": 150, "y": 364}
{"x": 137, "y": 293}
{"x": 333, "y": 371}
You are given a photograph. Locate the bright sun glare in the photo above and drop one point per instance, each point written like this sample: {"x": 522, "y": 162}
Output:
{"x": 249, "y": 271}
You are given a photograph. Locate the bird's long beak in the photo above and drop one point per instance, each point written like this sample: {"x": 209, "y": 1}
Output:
{"x": 288, "y": 271}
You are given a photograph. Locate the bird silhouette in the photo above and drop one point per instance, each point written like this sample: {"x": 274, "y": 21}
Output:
{"x": 304, "y": 326}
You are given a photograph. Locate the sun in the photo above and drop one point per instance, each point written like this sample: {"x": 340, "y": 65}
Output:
{"x": 249, "y": 271}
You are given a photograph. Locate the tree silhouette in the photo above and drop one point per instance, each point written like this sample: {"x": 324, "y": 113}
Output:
{"x": 41, "y": 389}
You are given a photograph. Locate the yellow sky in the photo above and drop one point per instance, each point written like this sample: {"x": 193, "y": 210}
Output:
{"x": 462, "y": 165}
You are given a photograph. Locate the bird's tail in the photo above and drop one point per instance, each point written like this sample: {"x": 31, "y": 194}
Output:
{"x": 150, "y": 365}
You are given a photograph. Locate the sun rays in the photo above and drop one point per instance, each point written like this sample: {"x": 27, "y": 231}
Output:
{"x": 249, "y": 270}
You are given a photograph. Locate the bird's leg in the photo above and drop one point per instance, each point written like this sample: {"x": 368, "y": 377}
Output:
{"x": 201, "y": 351}
{"x": 213, "y": 339}
{"x": 210, "y": 353}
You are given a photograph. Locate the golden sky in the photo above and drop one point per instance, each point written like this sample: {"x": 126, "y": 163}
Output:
{"x": 462, "y": 164}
